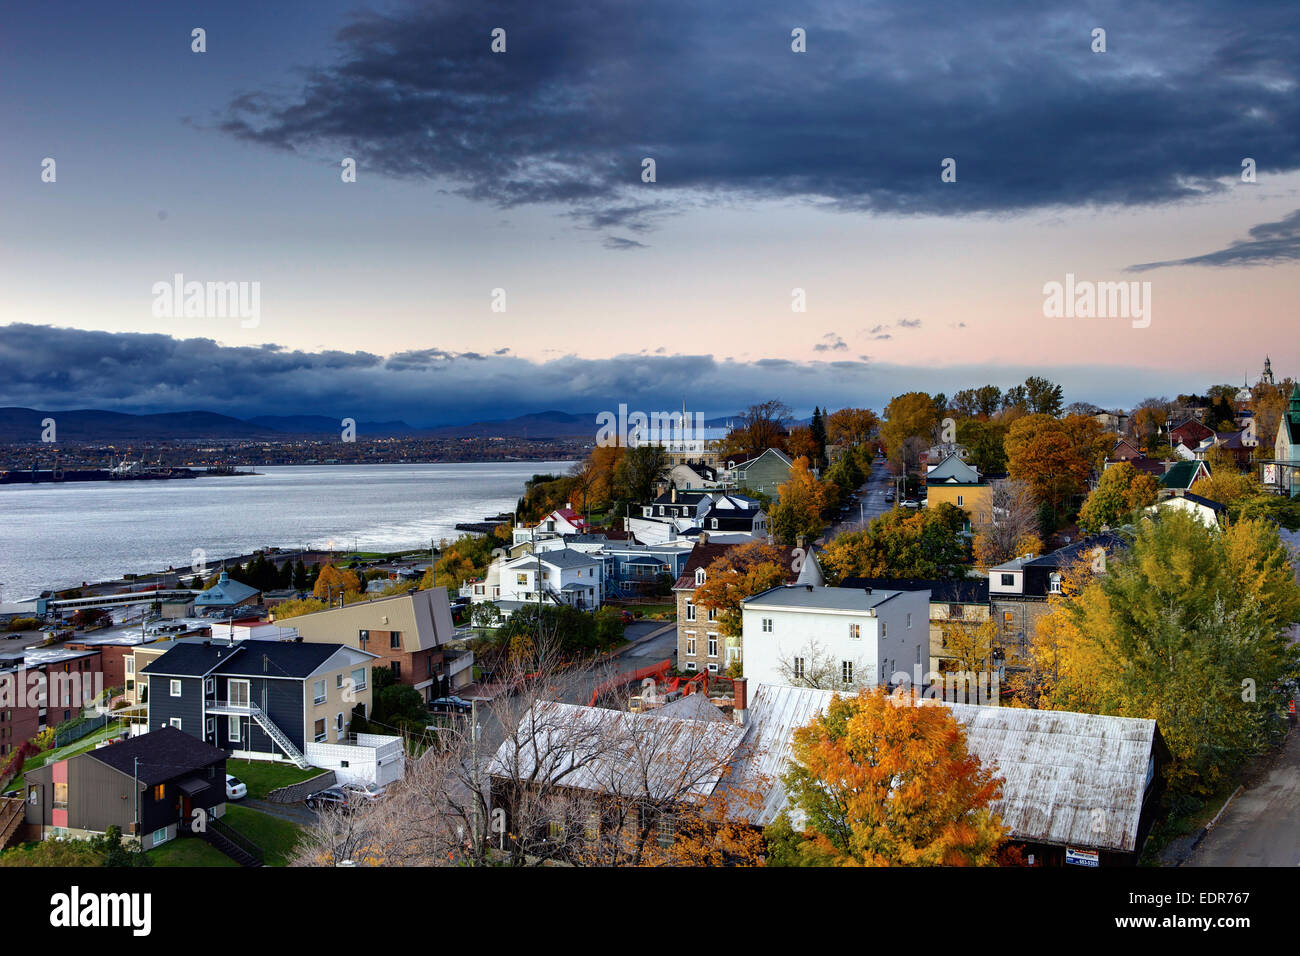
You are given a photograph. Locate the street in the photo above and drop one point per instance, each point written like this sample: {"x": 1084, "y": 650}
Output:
{"x": 871, "y": 502}
{"x": 1262, "y": 826}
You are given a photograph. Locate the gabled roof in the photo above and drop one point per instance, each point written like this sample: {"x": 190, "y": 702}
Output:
{"x": 1184, "y": 474}
{"x": 164, "y": 754}
{"x": 1060, "y": 767}
{"x": 695, "y": 706}
{"x": 571, "y": 516}
{"x": 253, "y": 658}
{"x": 785, "y": 459}
{"x": 702, "y": 555}
{"x": 559, "y": 558}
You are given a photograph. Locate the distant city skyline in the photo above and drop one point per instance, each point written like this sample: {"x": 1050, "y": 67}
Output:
{"x": 778, "y": 174}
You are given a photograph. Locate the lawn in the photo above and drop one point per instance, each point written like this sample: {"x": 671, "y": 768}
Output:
{"x": 263, "y": 776}
{"x": 275, "y": 836}
{"x": 189, "y": 851}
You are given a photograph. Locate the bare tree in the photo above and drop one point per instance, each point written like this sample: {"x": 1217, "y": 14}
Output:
{"x": 1009, "y": 527}
{"x": 814, "y": 665}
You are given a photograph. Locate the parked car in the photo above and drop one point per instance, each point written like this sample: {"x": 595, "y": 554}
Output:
{"x": 329, "y": 798}
{"x": 362, "y": 792}
{"x": 889, "y": 496}
{"x": 452, "y": 704}
{"x": 235, "y": 788}
{"x": 628, "y": 617}
{"x": 910, "y": 503}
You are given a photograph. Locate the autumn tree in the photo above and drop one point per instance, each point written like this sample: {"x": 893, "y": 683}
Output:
{"x": 1121, "y": 491}
{"x": 295, "y": 608}
{"x": 901, "y": 543}
{"x": 878, "y": 784}
{"x": 334, "y": 582}
{"x": 760, "y": 427}
{"x": 851, "y": 426}
{"x": 1190, "y": 629}
{"x": 1010, "y": 527}
{"x": 1054, "y": 456}
{"x": 743, "y": 571}
{"x": 636, "y": 473}
{"x": 910, "y": 415}
{"x": 800, "y": 503}
{"x": 802, "y": 443}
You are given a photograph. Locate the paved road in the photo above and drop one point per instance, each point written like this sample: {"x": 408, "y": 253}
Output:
{"x": 872, "y": 504}
{"x": 1262, "y": 826}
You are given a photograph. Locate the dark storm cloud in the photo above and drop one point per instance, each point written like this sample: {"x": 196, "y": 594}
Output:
{"x": 1269, "y": 244}
{"x": 861, "y": 121}
{"x": 57, "y": 368}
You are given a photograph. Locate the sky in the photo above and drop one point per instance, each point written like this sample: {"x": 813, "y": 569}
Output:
{"x": 500, "y": 251}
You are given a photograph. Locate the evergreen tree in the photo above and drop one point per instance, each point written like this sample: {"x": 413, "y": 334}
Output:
{"x": 818, "y": 428}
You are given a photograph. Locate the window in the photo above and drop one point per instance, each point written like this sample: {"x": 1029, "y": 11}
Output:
{"x": 129, "y": 662}
{"x": 159, "y": 836}
{"x": 690, "y": 643}
{"x": 690, "y": 665}
{"x": 363, "y": 638}
{"x": 884, "y": 630}
{"x": 1055, "y": 585}
{"x": 319, "y": 730}
{"x": 699, "y": 576}
{"x": 855, "y": 631}
{"x": 798, "y": 668}
{"x": 690, "y": 610}
{"x": 714, "y": 522}
{"x": 209, "y": 685}
{"x": 521, "y": 578}
{"x": 713, "y": 668}
{"x": 395, "y": 640}
{"x": 846, "y": 672}
{"x": 176, "y": 688}
{"x": 1008, "y": 580}
{"x": 713, "y": 614}
{"x": 233, "y": 729}
{"x": 318, "y": 691}
{"x": 959, "y": 501}
{"x": 338, "y": 724}
{"x": 61, "y": 796}
{"x": 176, "y": 722}
{"x": 767, "y": 625}
{"x": 160, "y": 792}
{"x": 909, "y": 618}
{"x": 359, "y": 679}
{"x": 713, "y": 645}
{"x": 237, "y": 692}
{"x": 396, "y": 668}
{"x": 338, "y": 680}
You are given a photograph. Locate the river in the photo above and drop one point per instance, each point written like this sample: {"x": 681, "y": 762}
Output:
{"x": 54, "y": 536}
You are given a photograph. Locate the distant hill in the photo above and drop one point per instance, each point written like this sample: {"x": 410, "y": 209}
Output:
{"x": 539, "y": 425}
{"x": 96, "y": 425}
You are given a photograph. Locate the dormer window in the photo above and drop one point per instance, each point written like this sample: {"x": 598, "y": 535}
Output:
{"x": 699, "y": 576}
{"x": 1054, "y": 583}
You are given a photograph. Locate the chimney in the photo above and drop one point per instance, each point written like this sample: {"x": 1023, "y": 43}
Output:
{"x": 704, "y": 537}
{"x": 740, "y": 712}
{"x": 568, "y": 506}
{"x": 801, "y": 542}
{"x": 674, "y": 493}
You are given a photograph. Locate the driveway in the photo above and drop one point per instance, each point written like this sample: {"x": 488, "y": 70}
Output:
{"x": 1262, "y": 826}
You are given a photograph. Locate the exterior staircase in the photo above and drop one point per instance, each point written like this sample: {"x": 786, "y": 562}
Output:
{"x": 12, "y": 811}
{"x": 279, "y": 736}
{"x": 230, "y": 842}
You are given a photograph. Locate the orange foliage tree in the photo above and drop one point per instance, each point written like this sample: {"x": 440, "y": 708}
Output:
{"x": 745, "y": 570}
{"x": 884, "y": 781}
{"x": 332, "y": 582}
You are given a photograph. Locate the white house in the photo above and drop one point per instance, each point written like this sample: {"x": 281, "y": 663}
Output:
{"x": 676, "y": 514}
{"x": 361, "y": 758}
{"x": 567, "y": 576}
{"x": 811, "y": 635}
{"x": 1204, "y": 510}
{"x": 558, "y": 523}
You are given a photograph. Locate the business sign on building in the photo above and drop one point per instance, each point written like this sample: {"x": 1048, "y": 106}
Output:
{"x": 1270, "y": 474}
{"x": 1075, "y": 857}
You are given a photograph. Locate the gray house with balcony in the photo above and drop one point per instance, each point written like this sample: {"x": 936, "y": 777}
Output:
{"x": 259, "y": 699}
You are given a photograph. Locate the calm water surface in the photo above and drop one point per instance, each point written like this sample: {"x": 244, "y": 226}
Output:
{"x": 61, "y": 535}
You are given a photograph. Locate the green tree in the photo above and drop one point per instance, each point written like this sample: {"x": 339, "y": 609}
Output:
{"x": 1189, "y": 629}
{"x": 902, "y": 543}
{"x": 1121, "y": 491}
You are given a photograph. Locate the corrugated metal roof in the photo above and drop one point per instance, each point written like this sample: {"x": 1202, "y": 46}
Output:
{"x": 1075, "y": 779}
{"x": 613, "y": 752}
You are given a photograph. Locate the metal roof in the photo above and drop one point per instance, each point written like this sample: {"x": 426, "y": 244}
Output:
{"x": 1076, "y": 779}
{"x": 819, "y": 598}
{"x": 613, "y": 752}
